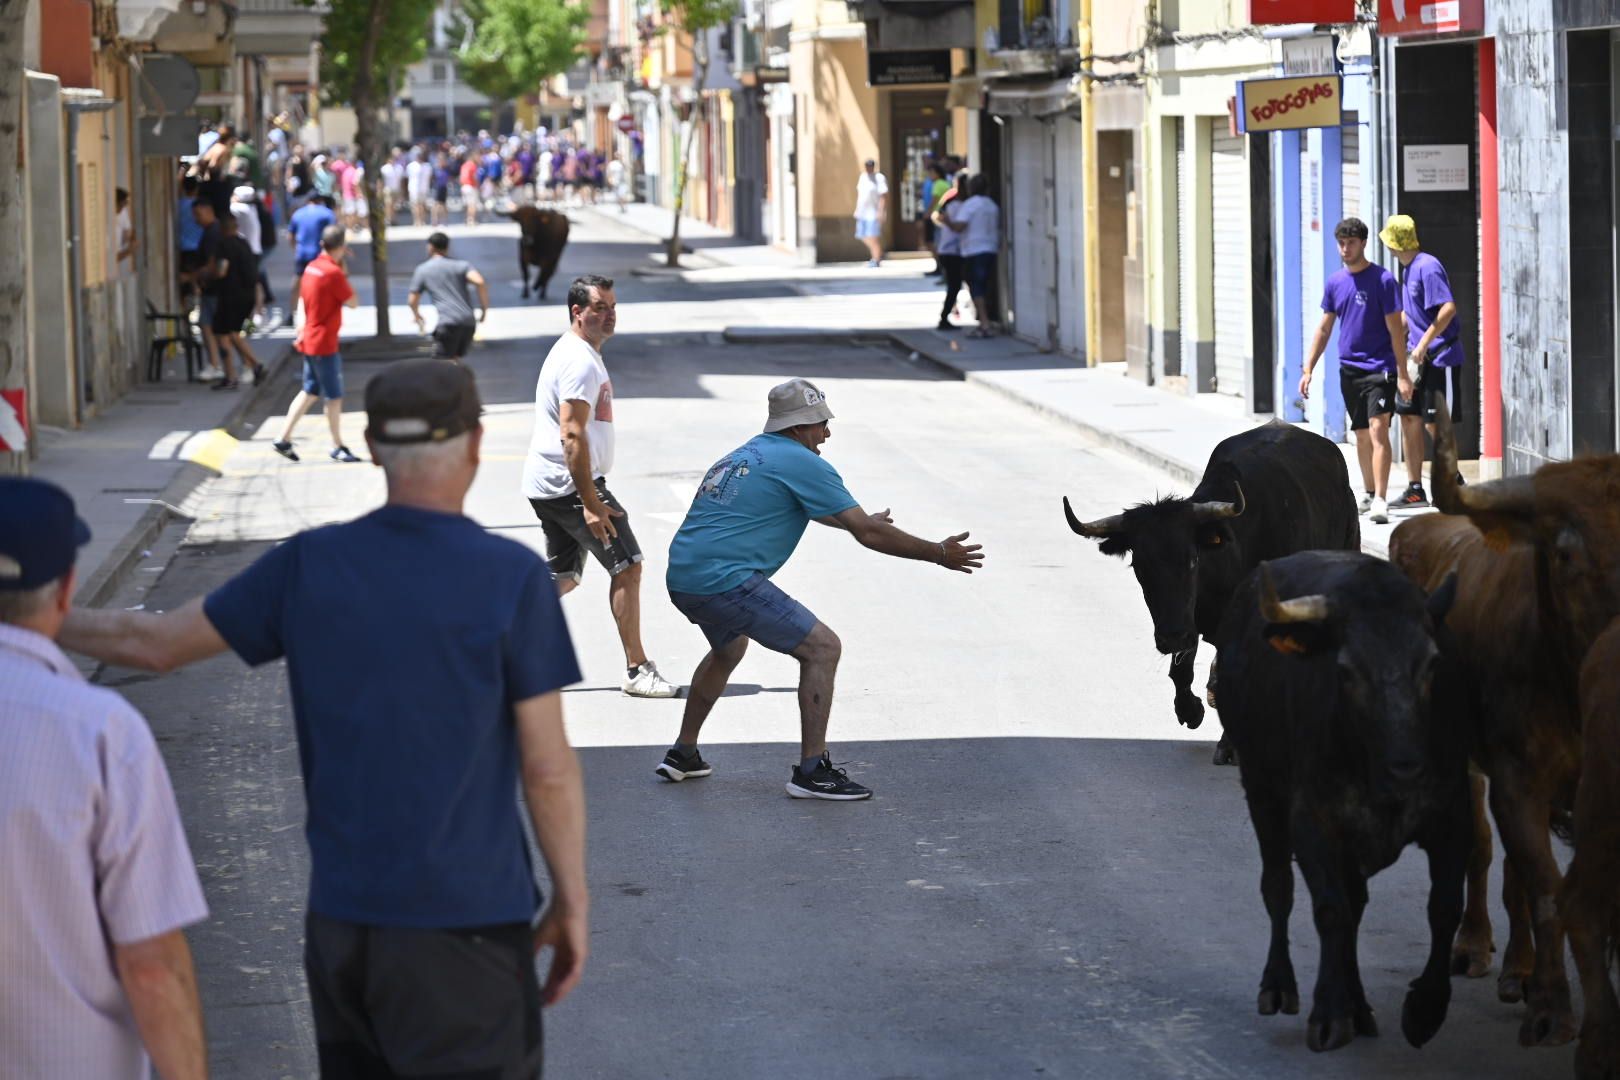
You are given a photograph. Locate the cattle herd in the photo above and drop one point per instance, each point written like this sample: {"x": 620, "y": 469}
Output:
{"x": 1370, "y": 705}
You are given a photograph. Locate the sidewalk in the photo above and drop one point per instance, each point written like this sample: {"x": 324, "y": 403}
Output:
{"x": 132, "y": 467}
{"x": 1171, "y": 432}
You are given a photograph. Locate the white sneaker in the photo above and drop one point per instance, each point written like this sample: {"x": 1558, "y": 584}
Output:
{"x": 1378, "y": 512}
{"x": 648, "y": 683}
{"x": 209, "y": 373}
{"x": 1366, "y": 503}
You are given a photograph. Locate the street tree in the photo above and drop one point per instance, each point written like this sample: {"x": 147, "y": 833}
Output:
{"x": 508, "y": 48}
{"x": 13, "y": 329}
{"x": 365, "y": 48}
{"x": 694, "y": 18}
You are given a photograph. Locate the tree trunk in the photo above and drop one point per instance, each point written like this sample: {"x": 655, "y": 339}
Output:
{"x": 700, "y": 60}
{"x": 13, "y": 314}
{"x": 367, "y": 135}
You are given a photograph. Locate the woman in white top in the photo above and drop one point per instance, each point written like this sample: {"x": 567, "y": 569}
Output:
{"x": 978, "y": 222}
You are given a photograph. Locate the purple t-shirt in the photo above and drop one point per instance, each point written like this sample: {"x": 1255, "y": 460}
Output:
{"x": 1425, "y": 290}
{"x": 1362, "y": 301}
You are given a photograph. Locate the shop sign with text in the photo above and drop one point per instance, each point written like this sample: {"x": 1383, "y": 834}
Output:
{"x": 908, "y": 67}
{"x": 1280, "y": 12}
{"x": 1286, "y": 104}
{"x": 1403, "y": 17}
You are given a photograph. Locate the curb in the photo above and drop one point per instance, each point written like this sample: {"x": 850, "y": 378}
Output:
{"x": 115, "y": 569}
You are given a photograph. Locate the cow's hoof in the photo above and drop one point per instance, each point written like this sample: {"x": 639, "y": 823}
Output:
{"x": 1323, "y": 1035}
{"x": 1510, "y": 988}
{"x": 1473, "y": 961}
{"x": 1224, "y": 754}
{"x": 1366, "y": 1023}
{"x": 1547, "y": 1026}
{"x": 1423, "y": 1013}
{"x": 1284, "y": 1001}
{"x": 1189, "y": 711}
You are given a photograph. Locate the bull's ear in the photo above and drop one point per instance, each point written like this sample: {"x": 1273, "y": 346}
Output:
{"x": 1297, "y": 638}
{"x": 1117, "y": 544}
{"x": 1441, "y": 599}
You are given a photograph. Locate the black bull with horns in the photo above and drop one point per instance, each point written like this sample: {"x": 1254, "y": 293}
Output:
{"x": 1266, "y": 493}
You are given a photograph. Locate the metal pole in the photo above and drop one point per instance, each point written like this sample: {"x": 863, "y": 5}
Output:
{"x": 1091, "y": 258}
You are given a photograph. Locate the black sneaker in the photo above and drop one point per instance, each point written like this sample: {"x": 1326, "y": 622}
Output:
{"x": 285, "y": 450}
{"x": 341, "y": 453}
{"x": 225, "y": 384}
{"x": 676, "y": 767}
{"x": 1412, "y": 499}
{"x": 826, "y": 782}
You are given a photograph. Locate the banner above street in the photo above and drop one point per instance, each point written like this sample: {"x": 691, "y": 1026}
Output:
{"x": 1281, "y": 12}
{"x": 1399, "y": 18}
{"x": 1287, "y": 104}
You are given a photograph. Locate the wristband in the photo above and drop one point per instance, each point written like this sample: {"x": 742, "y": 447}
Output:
{"x": 942, "y": 553}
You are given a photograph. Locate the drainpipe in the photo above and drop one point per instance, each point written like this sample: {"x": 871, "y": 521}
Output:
{"x": 76, "y": 103}
{"x": 1091, "y": 258}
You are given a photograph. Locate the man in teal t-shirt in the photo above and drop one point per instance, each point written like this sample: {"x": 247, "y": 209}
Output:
{"x": 744, "y": 523}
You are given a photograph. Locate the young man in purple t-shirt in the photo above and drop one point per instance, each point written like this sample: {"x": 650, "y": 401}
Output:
{"x": 1433, "y": 342}
{"x": 1372, "y": 356}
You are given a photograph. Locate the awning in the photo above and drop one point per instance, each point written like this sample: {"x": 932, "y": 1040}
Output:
{"x": 1035, "y": 99}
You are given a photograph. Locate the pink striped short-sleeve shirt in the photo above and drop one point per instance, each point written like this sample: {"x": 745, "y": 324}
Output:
{"x": 92, "y": 854}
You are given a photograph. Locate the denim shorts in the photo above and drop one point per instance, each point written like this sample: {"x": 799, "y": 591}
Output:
{"x": 755, "y": 609}
{"x": 323, "y": 376}
{"x": 979, "y": 269}
{"x": 865, "y": 227}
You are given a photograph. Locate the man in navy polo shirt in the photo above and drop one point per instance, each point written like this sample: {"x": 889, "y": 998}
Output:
{"x": 418, "y": 708}
{"x": 1372, "y": 356}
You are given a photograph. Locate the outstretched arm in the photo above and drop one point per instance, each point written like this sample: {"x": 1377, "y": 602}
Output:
{"x": 878, "y": 532}
{"x": 143, "y": 640}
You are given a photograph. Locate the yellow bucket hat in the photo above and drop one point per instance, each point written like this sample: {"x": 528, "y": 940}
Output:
{"x": 1399, "y": 233}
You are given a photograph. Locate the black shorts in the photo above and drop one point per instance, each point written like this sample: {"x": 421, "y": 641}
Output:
{"x": 1431, "y": 393}
{"x": 1366, "y": 394}
{"x": 567, "y": 539}
{"x": 300, "y": 265}
{"x": 231, "y": 311}
{"x": 393, "y": 1001}
{"x": 453, "y": 341}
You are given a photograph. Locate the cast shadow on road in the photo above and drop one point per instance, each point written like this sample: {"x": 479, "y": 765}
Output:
{"x": 732, "y": 690}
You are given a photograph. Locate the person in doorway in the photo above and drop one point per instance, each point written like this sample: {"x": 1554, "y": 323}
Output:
{"x": 326, "y": 292}
{"x": 748, "y": 515}
{"x": 445, "y": 281}
{"x": 309, "y": 223}
{"x": 871, "y": 207}
{"x": 565, "y": 474}
{"x": 948, "y": 247}
{"x": 1372, "y": 357}
{"x": 978, "y": 220}
{"x": 1434, "y": 350}
{"x": 420, "y": 712}
{"x": 96, "y": 879}
{"x": 236, "y": 292}
{"x": 127, "y": 242}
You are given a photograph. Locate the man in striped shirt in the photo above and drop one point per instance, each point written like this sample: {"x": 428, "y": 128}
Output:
{"x": 96, "y": 881}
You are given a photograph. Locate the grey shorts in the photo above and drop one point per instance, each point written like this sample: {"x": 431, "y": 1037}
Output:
{"x": 393, "y": 1001}
{"x": 562, "y": 520}
{"x": 756, "y": 609}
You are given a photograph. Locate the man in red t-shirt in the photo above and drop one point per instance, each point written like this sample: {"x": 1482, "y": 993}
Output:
{"x": 325, "y": 292}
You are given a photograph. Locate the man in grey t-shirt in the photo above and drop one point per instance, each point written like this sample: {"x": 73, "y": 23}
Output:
{"x": 445, "y": 281}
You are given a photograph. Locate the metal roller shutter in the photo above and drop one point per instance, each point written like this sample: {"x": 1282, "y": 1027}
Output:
{"x": 1352, "y": 168}
{"x": 1026, "y": 227}
{"x": 1310, "y": 240}
{"x": 1229, "y": 181}
{"x": 1185, "y": 245}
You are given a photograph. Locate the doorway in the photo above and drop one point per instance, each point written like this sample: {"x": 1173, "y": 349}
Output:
{"x": 917, "y": 127}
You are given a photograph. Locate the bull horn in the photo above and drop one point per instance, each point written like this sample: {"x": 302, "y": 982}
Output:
{"x": 1300, "y": 609}
{"x": 1215, "y": 511}
{"x": 1095, "y": 530}
{"x": 1515, "y": 496}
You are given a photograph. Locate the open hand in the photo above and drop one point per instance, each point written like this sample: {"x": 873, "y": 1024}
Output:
{"x": 567, "y": 935}
{"x": 599, "y": 519}
{"x": 1305, "y": 384}
{"x": 955, "y": 555}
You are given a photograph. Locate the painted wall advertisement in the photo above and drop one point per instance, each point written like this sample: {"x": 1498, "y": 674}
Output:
{"x": 1397, "y": 18}
{"x": 1278, "y": 12}
{"x": 1287, "y": 104}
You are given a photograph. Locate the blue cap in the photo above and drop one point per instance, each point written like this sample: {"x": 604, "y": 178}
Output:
{"x": 40, "y": 534}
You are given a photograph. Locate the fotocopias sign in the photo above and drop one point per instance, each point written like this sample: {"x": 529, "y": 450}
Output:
{"x": 1284, "y": 104}
{"x": 1272, "y": 12}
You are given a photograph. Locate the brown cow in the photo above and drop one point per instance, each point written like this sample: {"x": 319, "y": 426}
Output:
{"x": 544, "y": 235}
{"x": 1590, "y": 904}
{"x": 1538, "y": 567}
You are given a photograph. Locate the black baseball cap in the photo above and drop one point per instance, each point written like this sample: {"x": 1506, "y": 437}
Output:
{"x": 40, "y": 533}
{"x": 417, "y": 401}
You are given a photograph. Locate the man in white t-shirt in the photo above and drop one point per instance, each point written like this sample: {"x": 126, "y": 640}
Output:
{"x": 871, "y": 202}
{"x": 392, "y": 175}
{"x": 418, "y": 182}
{"x": 564, "y": 475}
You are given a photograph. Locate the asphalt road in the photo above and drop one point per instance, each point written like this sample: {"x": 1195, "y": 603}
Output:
{"x": 1051, "y": 881}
